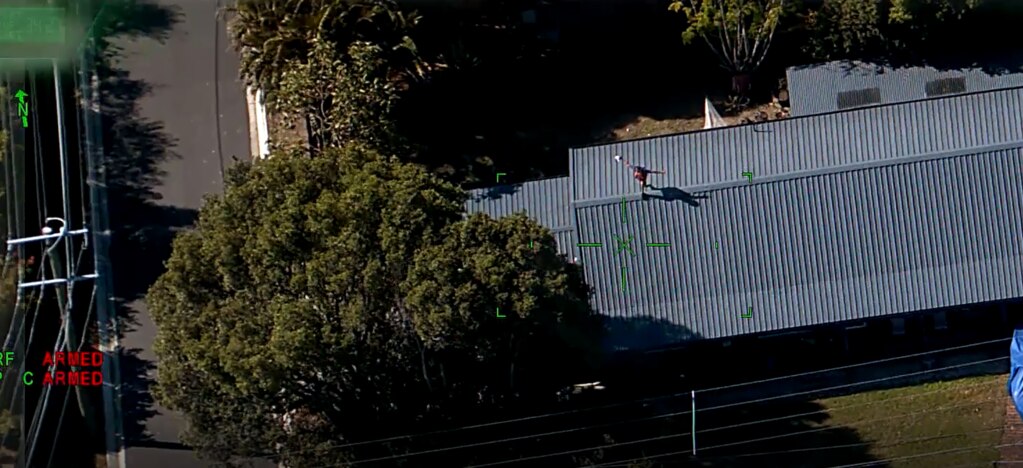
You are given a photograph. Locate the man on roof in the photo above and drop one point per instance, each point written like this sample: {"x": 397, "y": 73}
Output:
{"x": 639, "y": 173}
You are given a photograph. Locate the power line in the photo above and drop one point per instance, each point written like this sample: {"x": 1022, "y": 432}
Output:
{"x": 588, "y": 449}
{"x": 851, "y": 366}
{"x": 58, "y": 257}
{"x": 895, "y": 443}
{"x": 926, "y": 454}
{"x": 865, "y": 382}
{"x": 71, "y": 266}
{"x": 492, "y": 442}
{"x": 974, "y": 465}
{"x": 60, "y": 343}
{"x": 67, "y": 393}
{"x": 655, "y": 417}
{"x": 648, "y": 399}
{"x": 841, "y": 408}
{"x": 822, "y": 429}
{"x": 40, "y": 411}
{"x": 60, "y": 422}
{"x": 40, "y": 173}
{"x": 748, "y": 441}
{"x": 21, "y": 365}
{"x": 511, "y": 439}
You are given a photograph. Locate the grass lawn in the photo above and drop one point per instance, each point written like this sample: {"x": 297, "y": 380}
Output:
{"x": 898, "y": 427}
{"x": 944, "y": 415}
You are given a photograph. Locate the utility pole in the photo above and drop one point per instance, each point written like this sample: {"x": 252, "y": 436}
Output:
{"x": 64, "y": 297}
{"x": 106, "y": 318}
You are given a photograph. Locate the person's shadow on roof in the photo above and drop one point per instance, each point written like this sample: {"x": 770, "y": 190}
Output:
{"x": 671, "y": 194}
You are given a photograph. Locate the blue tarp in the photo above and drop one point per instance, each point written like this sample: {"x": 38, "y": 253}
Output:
{"x": 1016, "y": 376}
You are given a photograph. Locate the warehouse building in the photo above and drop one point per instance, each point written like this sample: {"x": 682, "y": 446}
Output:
{"x": 900, "y": 216}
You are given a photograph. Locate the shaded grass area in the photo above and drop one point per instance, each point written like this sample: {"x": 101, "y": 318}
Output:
{"x": 900, "y": 427}
{"x": 895, "y": 427}
{"x": 975, "y": 417}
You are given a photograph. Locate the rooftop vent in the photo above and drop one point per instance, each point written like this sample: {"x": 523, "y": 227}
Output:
{"x": 859, "y": 98}
{"x": 945, "y": 86}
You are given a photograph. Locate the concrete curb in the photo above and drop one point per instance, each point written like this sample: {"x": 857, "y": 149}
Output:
{"x": 259, "y": 133}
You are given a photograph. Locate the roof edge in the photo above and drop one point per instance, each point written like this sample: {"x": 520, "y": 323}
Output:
{"x": 754, "y": 125}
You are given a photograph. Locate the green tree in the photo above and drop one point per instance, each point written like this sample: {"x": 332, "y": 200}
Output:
{"x": 342, "y": 97}
{"x": 845, "y": 28}
{"x": 4, "y": 159}
{"x": 880, "y": 29}
{"x": 346, "y": 297}
{"x": 906, "y": 11}
{"x": 272, "y": 34}
{"x": 739, "y": 32}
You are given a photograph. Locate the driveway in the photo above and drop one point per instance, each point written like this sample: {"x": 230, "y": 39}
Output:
{"x": 175, "y": 118}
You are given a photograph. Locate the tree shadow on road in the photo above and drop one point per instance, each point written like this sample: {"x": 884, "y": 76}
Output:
{"x": 134, "y": 148}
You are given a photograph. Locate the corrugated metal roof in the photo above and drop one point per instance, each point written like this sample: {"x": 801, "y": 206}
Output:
{"x": 704, "y": 159}
{"x": 865, "y": 213}
{"x": 813, "y": 249}
{"x": 815, "y": 89}
{"x": 548, "y": 201}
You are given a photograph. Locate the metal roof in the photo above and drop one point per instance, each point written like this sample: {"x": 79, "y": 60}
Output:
{"x": 547, "y": 201}
{"x": 837, "y": 141}
{"x": 813, "y": 248}
{"x": 815, "y": 89}
{"x": 865, "y": 213}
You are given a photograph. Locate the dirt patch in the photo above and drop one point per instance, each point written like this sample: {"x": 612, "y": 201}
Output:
{"x": 643, "y": 127}
{"x": 285, "y": 132}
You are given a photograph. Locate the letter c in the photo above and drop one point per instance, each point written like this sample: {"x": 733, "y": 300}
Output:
{"x": 25, "y": 376}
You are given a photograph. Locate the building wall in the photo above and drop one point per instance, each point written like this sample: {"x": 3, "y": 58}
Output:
{"x": 814, "y": 89}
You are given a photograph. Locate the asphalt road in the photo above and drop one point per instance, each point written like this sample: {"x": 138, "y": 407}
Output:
{"x": 198, "y": 100}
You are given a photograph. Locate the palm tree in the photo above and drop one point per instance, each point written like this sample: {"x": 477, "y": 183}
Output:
{"x": 270, "y": 34}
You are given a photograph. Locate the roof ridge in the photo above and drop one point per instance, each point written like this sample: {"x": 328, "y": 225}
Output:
{"x": 793, "y": 175}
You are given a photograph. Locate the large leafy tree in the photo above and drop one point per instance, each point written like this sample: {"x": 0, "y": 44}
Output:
{"x": 346, "y": 296}
{"x": 739, "y": 32}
